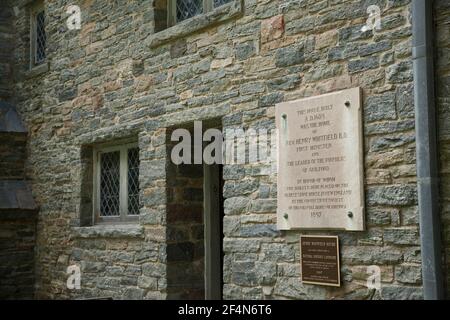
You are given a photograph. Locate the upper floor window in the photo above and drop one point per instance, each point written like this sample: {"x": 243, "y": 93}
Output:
{"x": 38, "y": 36}
{"x": 116, "y": 182}
{"x": 184, "y": 9}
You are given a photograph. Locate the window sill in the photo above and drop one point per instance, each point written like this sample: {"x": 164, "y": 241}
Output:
{"x": 110, "y": 231}
{"x": 182, "y": 29}
{"x": 37, "y": 70}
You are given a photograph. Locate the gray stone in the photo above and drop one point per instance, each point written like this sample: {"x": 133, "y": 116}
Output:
{"x": 133, "y": 294}
{"x": 372, "y": 48}
{"x": 391, "y": 141}
{"x": 233, "y": 172}
{"x": 290, "y": 288}
{"x": 371, "y": 255}
{"x": 392, "y": 195}
{"x": 153, "y": 269}
{"x": 405, "y": 101}
{"x": 252, "y": 88}
{"x": 145, "y": 282}
{"x": 343, "y": 52}
{"x": 289, "y": 56}
{"x": 300, "y": 25}
{"x": 238, "y": 188}
{"x": 355, "y": 66}
{"x": 87, "y": 266}
{"x": 402, "y": 236}
{"x": 400, "y": 73}
{"x": 241, "y": 245}
{"x": 245, "y": 50}
{"x": 379, "y": 217}
{"x": 106, "y": 231}
{"x": 278, "y": 252}
{"x": 270, "y": 99}
{"x": 259, "y": 230}
{"x": 380, "y": 107}
{"x": 284, "y": 83}
{"x": 266, "y": 272}
{"x": 408, "y": 274}
{"x": 391, "y": 292}
{"x": 178, "y": 49}
{"x": 236, "y": 205}
{"x": 390, "y": 126}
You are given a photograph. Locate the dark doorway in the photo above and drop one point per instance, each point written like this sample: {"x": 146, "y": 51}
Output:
{"x": 194, "y": 229}
{"x": 213, "y": 218}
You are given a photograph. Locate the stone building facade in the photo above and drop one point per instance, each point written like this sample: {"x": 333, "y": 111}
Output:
{"x": 126, "y": 76}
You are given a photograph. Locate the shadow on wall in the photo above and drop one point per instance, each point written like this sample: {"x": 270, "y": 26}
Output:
{"x": 18, "y": 211}
{"x": 185, "y": 230}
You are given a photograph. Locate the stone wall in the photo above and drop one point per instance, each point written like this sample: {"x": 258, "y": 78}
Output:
{"x": 12, "y": 151}
{"x": 442, "y": 63}
{"x": 6, "y": 50}
{"x": 17, "y": 239}
{"x": 111, "y": 79}
{"x": 114, "y": 262}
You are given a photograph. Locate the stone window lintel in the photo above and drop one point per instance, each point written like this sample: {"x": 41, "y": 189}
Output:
{"x": 199, "y": 22}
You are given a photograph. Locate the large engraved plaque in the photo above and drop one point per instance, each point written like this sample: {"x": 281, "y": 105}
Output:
{"x": 320, "y": 162}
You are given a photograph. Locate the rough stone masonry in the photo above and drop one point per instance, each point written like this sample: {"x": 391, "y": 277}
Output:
{"x": 124, "y": 74}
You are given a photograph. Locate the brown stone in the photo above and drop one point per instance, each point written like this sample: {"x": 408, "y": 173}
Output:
{"x": 272, "y": 28}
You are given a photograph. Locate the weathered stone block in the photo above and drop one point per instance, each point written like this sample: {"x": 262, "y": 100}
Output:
{"x": 402, "y": 236}
{"x": 409, "y": 274}
{"x": 272, "y": 28}
{"x": 380, "y": 107}
{"x": 145, "y": 282}
{"x": 399, "y": 195}
{"x": 289, "y": 56}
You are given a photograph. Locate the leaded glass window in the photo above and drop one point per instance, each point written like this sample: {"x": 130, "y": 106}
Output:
{"x": 38, "y": 35}
{"x": 218, "y": 3}
{"x": 133, "y": 181}
{"x": 110, "y": 183}
{"x": 185, "y": 9}
{"x": 188, "y": 8}
{"x": 40, "y": 38}
{"x": 117, "y": 182}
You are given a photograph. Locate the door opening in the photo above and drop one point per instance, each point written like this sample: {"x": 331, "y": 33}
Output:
{"x": 194, "y": 229}
{"x": 213, "y": 222}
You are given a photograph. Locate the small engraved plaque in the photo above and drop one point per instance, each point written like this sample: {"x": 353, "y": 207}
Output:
{"x": 320, "y": 260}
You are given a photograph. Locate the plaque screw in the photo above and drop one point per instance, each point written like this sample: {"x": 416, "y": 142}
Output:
{"x": 347, "y": 104}
{"x": 286, "y": 216}
{"x": 350, "y": 214}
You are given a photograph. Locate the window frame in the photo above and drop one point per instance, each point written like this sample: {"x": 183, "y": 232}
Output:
{"x": 37, "y": 7}
{"x": 208, "y": 6}
{"x": 123, "y": 183}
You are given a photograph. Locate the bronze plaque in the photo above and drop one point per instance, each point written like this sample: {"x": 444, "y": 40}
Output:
{"x": 320, "y": 260}
{"x": 320, "y": 162}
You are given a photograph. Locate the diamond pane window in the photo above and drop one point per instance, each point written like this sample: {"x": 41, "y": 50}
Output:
{"x": 110, "y": 184}
{"x": 180, "y": 10}
{"x": 40, "y": 38}
{"x": 218, "y": 3}
{"x": 116, "y": 180}
{"x": 186, "y": 9}
{"x": 133, "y": 181}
